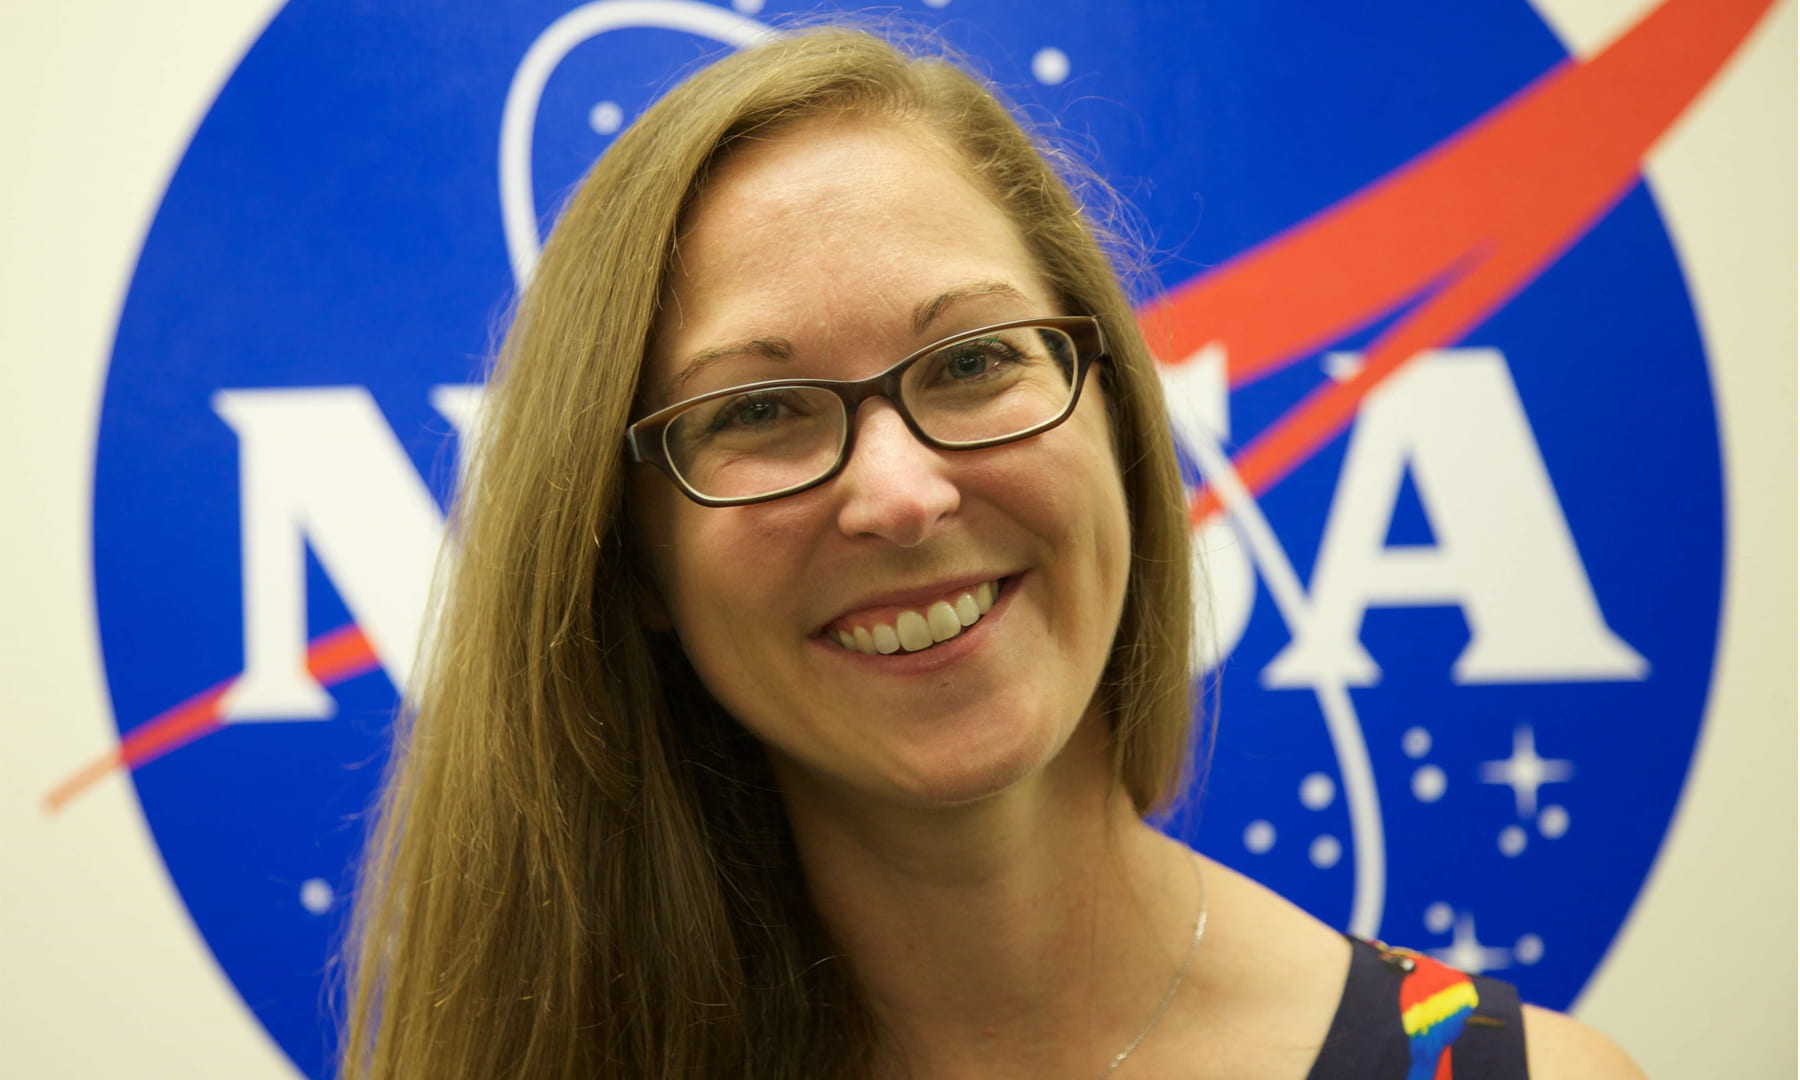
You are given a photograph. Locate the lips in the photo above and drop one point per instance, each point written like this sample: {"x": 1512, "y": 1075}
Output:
{"x": 888, "y": 630}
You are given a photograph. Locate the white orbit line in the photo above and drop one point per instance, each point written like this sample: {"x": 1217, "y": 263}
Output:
{"x": 1370, "y": 896}
{"x": 518, "y": 208}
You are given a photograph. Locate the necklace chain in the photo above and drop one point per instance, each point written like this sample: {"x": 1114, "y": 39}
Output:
{"x": 1174, "y": 984}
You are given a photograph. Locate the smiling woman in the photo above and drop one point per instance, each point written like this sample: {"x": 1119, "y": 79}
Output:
{"x": 818, "y": 642}
{"x": 858, "y": 241}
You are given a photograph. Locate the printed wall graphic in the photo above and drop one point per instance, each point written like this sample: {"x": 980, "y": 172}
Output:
{"x": 1434, "y": 373}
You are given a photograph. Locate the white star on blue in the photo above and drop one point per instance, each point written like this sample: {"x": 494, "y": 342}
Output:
{"x": 1525, "y": 771}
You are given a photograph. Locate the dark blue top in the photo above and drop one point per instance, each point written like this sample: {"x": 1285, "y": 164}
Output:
{"x": 1405, "y": 1016}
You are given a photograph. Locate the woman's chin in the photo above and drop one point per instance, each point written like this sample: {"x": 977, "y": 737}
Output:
{"x": 959, "y": 762}
{"x": 953, "y": 775}
{"x": 963, "y": 784}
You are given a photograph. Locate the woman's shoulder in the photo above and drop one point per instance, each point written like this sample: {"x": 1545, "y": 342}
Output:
{"x": 1370, "y": 1004}
{"x": 1559, "y": 1047}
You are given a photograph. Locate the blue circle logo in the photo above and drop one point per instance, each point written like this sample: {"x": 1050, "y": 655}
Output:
{"x": 1432, "y": 367}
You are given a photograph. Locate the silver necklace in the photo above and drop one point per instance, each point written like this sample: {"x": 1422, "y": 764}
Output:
{"x": 1174, "y": 984}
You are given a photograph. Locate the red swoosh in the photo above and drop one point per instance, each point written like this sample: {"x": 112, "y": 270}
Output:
{"x": 1458, "y": 231}
{"x": 332, "y": 657}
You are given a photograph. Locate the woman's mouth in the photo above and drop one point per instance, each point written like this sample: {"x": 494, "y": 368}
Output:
{"x": 912, "y": 630}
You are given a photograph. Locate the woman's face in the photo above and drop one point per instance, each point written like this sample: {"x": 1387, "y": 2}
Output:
{"x": 833, "y": 250}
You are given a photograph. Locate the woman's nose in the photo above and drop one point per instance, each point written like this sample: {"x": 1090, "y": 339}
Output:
{"x": 893, "y": 486}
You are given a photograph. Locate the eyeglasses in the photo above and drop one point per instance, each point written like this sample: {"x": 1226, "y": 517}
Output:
{"x": 765, "y": 440}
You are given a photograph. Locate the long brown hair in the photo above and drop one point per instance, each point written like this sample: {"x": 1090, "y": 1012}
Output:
{"x": 580, "y": 866}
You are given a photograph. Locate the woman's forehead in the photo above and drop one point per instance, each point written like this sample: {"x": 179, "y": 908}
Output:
{"x": 839, "y": 227}
{"x": 824, "y": 181}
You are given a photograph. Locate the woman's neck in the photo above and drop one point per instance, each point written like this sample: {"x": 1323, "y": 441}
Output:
{"x": 1024, "y": 933}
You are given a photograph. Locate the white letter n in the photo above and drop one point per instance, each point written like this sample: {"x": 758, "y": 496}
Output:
{"x": 320, "y": 466}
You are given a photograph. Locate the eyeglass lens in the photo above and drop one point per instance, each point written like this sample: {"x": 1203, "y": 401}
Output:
{"x": 978, "y": 390}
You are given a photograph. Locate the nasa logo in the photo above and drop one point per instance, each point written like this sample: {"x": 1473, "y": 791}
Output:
{"x": 1433, "y": 368}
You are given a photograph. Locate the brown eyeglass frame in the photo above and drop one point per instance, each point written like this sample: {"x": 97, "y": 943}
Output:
{"x": 646, "y": 437}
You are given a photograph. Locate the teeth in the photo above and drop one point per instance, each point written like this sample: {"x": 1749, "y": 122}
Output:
{"x": 913, "y": 631}
{"x": 941, "y": 617}
{"x": 886, "y": 641}
{"x": 967, "y": 610}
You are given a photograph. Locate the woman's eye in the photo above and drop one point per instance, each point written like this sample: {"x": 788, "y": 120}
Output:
{"x": 976, "y": 358}
{"x": 753, "y": 413}
{"x": 750, "y": 411}
{"x": 967, "y": 364}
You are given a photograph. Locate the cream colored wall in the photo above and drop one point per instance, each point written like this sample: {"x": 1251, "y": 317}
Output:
{"x": 102, "y": 973}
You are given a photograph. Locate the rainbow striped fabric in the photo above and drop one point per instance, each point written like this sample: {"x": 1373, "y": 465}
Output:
{"x": 1435, "y": 1002}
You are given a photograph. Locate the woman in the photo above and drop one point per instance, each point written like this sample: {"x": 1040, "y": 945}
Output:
{"x": 808, "y": 730}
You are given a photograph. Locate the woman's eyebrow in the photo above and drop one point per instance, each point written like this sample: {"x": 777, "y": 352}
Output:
{"x": 777, "y": 348}
{"x": 928, "y": 311}
{"x": 768, "y": 348}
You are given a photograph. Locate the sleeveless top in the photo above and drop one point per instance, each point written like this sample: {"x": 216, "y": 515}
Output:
{"x": 1405, "y": 1016}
